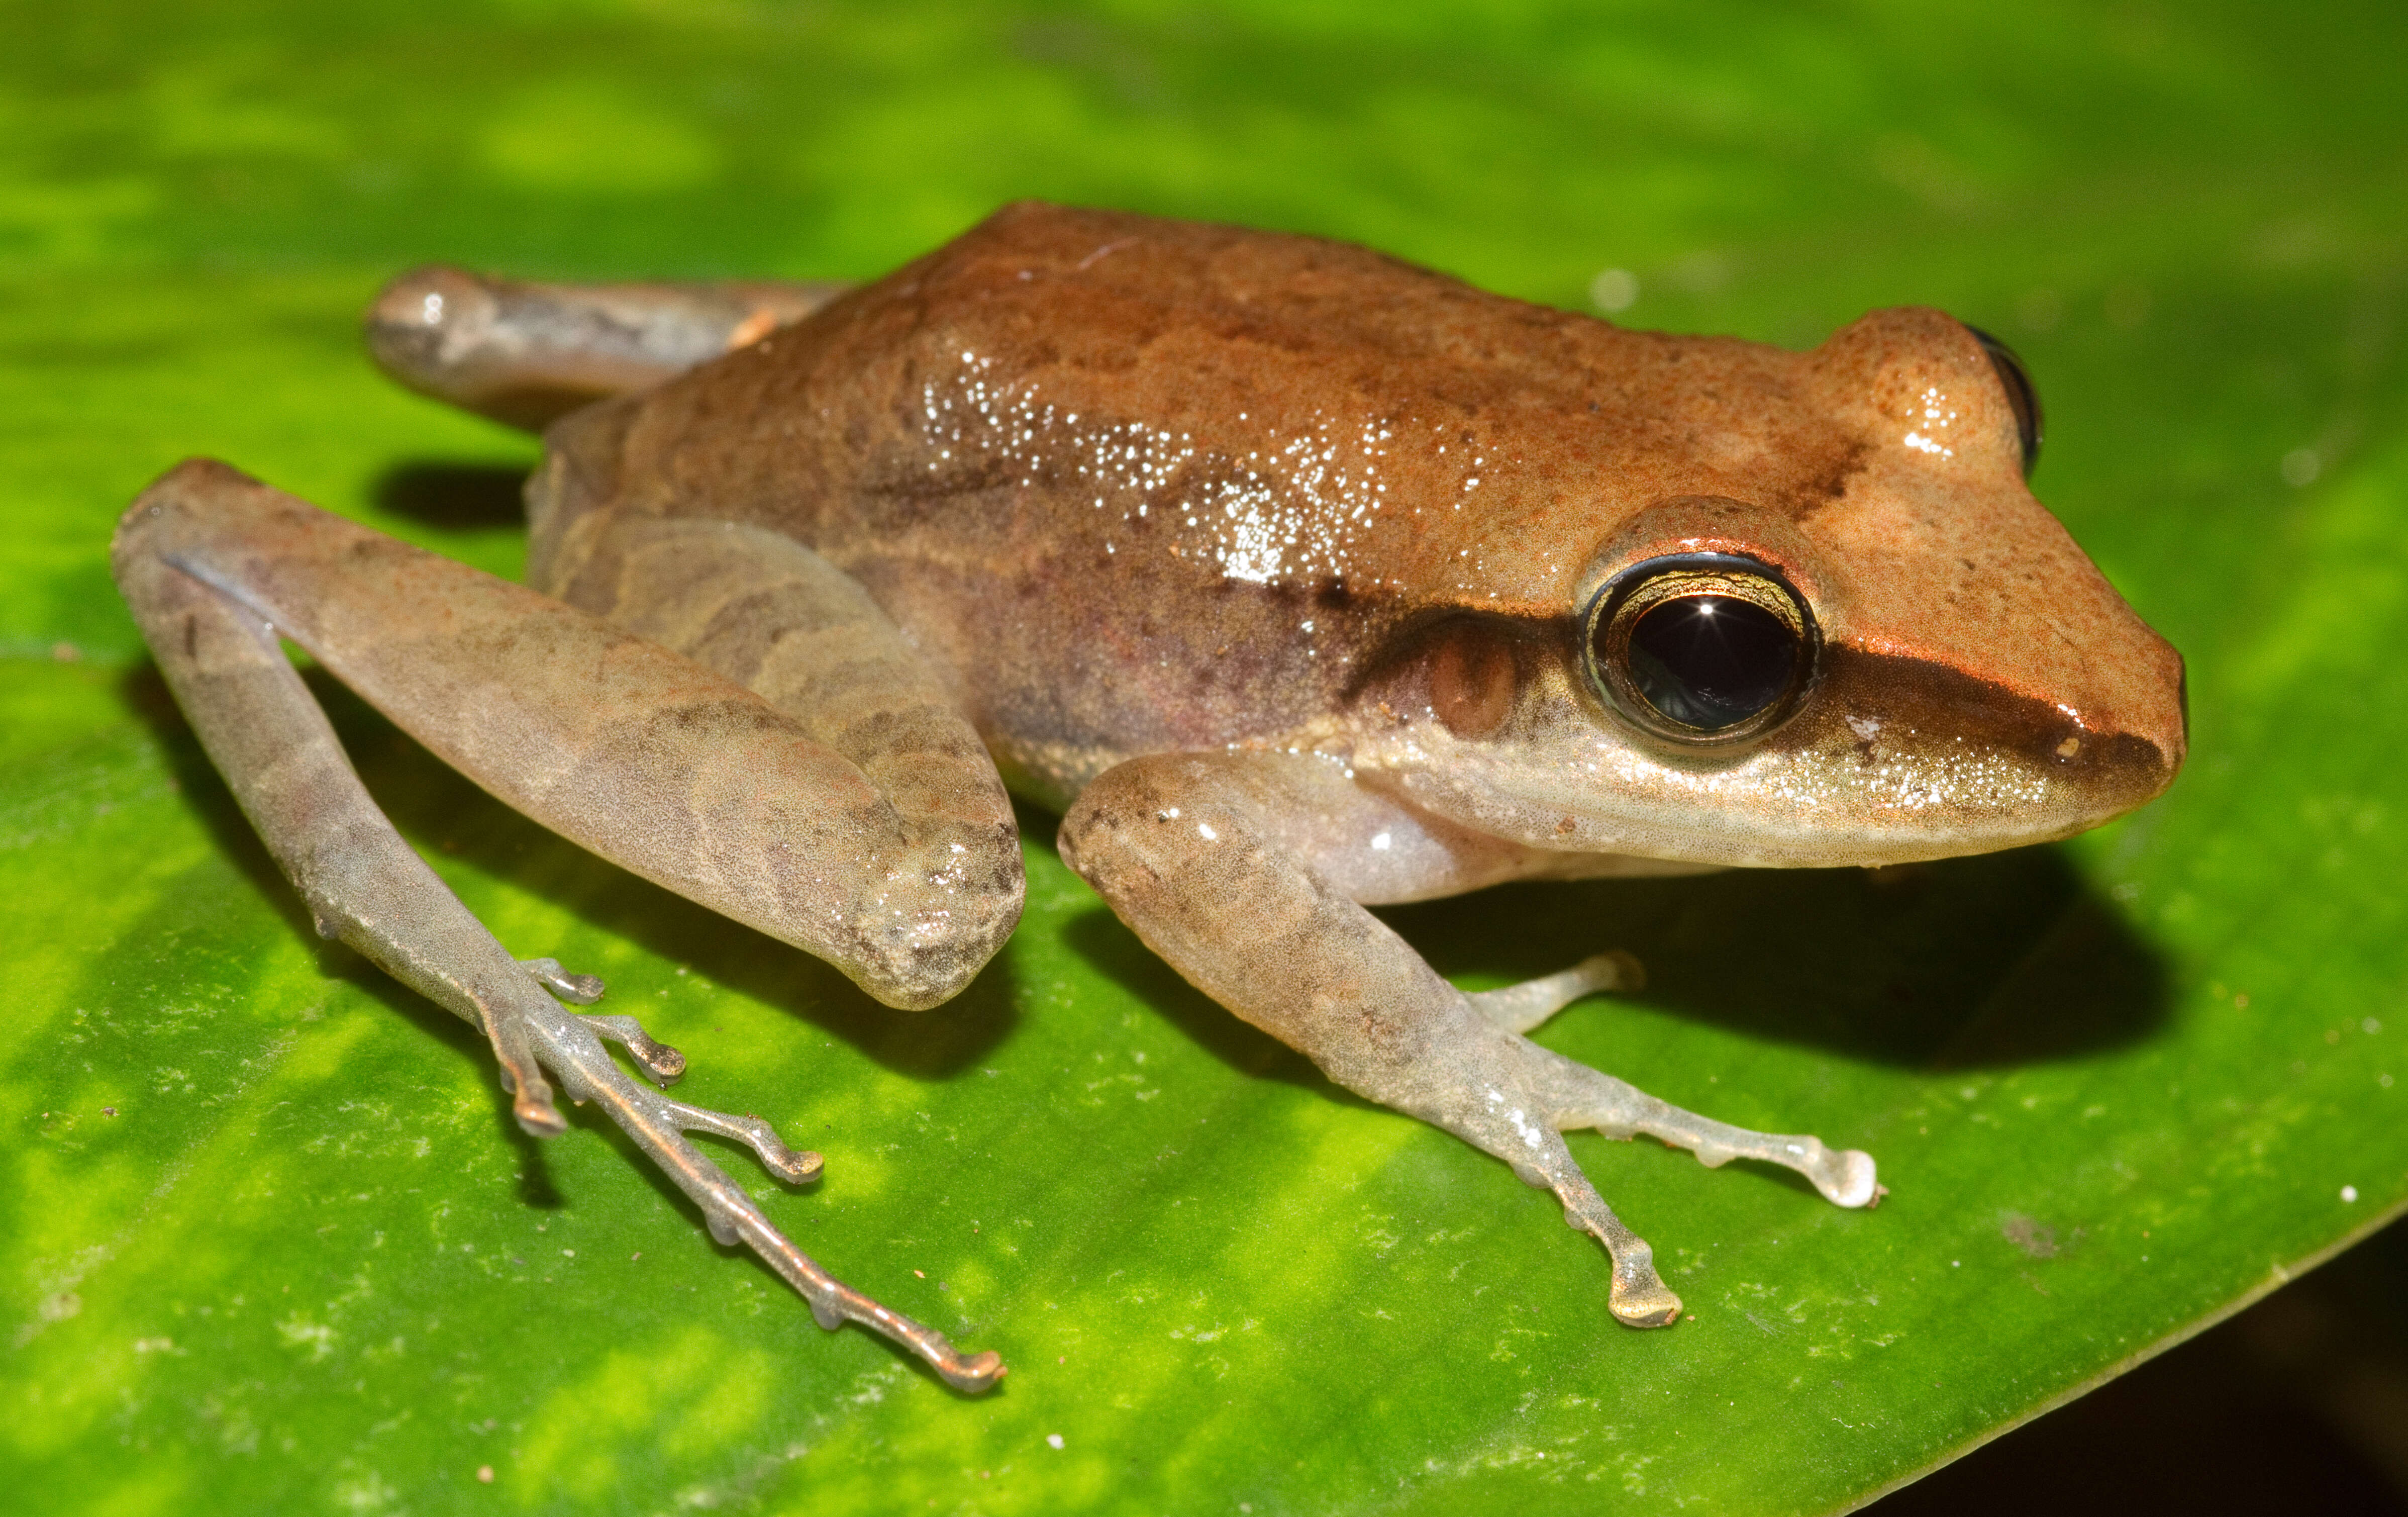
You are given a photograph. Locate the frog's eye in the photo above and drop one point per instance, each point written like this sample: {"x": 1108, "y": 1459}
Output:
{"x": 1700, "y": 647}
{"x": 2021, "y": 397}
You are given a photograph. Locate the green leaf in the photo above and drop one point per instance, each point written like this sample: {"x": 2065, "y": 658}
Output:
{"x": 269, "y": 1241}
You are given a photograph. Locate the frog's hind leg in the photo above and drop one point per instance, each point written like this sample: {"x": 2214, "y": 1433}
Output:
{"x": 645, "y": 756}
{"x": 526, "y": 353}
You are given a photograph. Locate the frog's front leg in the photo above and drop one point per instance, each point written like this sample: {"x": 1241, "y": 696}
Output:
{"x": 1244, "y": 872}
{"x": 643, "y": 755}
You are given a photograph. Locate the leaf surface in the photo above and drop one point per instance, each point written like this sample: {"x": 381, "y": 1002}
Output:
{"x": 269, "y": 1241}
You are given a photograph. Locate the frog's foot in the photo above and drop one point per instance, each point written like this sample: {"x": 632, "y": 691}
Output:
{"x": 571, "y": 1045}
{"x": 530, "y": 1031}
{"x": 1518, "y": 1009}
{"x": 214, "y": 565}
{"x": 527, "y": 354}
{"x": 665, "y": 1064}
{"x": 1577, "y": 1097}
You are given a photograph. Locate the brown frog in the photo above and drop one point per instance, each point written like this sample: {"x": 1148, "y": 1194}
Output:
{"x": 1297, "y": 579}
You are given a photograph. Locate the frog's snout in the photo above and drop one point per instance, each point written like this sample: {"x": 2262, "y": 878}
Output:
{"x": 2111, "y": 744}
{"x": 2142, "y": 748}
{"x": 1933, "y": 758}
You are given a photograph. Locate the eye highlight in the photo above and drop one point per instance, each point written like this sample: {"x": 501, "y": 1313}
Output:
{"x": 2021, "y": 397}
{"x": 1702, "y": 648}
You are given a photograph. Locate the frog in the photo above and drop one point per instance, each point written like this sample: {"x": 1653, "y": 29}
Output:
{"x": 1297, "y": 580}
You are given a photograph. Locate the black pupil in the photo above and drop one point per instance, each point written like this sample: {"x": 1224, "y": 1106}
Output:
{"x": 1711, "y": 661}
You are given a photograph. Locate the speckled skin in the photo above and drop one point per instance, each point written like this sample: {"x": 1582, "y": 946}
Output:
{"x": 1264, "y": 558}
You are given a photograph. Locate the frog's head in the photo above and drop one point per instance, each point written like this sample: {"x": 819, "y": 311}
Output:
{"x": 1912, "y": 662}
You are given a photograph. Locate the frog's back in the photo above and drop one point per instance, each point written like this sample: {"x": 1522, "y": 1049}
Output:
{"x": 1139, "y": 485}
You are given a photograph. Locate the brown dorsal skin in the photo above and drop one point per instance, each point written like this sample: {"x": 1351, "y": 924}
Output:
{"x": 1142, "y": 485}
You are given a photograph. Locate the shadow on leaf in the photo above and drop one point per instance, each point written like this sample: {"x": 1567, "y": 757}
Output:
{"x": 440, "y": 492}
{"x": 2006, "y": 959}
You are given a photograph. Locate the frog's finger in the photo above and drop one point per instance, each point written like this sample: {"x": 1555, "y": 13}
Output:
{"x": 795, "y": 1167}
{"x": 1518, "y": 1009}
{"x": 522, "y": 1073}
{"x": 1638, "y": 1296}
{"x": 526, "y": 353}
{"x": 835, "y": 1303}
{"x": 1579, "y": 1097}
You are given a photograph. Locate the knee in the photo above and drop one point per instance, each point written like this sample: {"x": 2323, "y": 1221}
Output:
{"x": 1151, "y": 822}
{"x": 917, "y": 956}
{"x": 1098, "y": 830}
{"x": 164, "y": 511}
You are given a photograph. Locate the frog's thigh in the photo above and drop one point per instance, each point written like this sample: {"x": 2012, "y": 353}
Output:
{"x": 1197, "y": 853}
{"x": 775, "y": 618}
{"x": 639, "y": 754}
{"x": 525, "y": 353}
